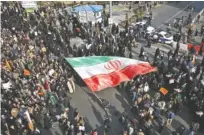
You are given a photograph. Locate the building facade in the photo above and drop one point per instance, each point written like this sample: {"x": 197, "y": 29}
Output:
{"x": 88, "y": 13}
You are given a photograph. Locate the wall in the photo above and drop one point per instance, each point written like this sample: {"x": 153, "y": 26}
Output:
{"x": 90, "y": 16}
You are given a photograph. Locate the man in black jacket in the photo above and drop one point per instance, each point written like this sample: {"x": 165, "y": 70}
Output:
{"x": 157, "y": 53}
{"x": 141, "y": 51}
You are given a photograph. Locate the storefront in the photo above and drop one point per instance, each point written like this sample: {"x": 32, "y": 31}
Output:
{"x": 88, "y": 13}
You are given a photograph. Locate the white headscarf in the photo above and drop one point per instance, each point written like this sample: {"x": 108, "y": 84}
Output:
{"x": 146, "y": 87}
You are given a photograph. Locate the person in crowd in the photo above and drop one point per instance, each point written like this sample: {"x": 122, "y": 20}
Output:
{"x": 141, "y": 52}
{"x": 198, "y": 19}
{"x": 161, "y": 125}
{"x": 171, "y": 116}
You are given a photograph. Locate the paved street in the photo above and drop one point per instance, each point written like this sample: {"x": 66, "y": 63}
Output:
{"x": 162, "y": 14}
{"x": 168, "y": 12}
{"x": 87, "y": 104}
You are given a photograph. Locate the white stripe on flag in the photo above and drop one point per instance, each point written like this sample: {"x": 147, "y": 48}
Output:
{"x": 87, "y": 72}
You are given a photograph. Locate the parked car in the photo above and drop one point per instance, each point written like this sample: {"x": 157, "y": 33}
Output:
{"x": 165, "y": 38}
{"x": 150, "y": 30}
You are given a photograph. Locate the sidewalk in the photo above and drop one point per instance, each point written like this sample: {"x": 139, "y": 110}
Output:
{"x": 197, "y": 39}
{"x": 118, "y": 7}
{"x": 119, "y": 12}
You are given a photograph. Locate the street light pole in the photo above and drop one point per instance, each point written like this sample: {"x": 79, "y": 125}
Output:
{"x": 110, "y": 9}
{"x": 110, "y": 12}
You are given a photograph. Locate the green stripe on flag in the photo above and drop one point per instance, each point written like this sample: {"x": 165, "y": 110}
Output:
{"x": 88, "y": 61}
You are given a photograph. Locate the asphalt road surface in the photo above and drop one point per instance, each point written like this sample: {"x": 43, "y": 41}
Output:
{"x": 168, "y": 12}
{"x": 88, "y": 105}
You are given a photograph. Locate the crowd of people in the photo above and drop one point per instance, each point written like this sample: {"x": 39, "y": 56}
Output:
{"x": 34, "y": 75}
{"x": 162, "y": 95}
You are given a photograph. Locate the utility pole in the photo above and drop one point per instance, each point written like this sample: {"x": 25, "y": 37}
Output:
{"x": 110, "y": 8}
{"x": 110, "y": 17}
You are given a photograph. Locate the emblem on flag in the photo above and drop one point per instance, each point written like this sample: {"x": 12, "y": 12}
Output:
{"x": 113, "y": 65}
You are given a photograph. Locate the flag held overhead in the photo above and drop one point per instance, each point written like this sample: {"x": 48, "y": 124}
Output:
{"x": 8, "y": 65}
{"x": 100, "y": 72}
{"x": 26, "y": 72}
{"x": 163, "y": 91}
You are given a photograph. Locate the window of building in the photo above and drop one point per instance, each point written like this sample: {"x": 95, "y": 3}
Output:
{"x": 98, "y": 14}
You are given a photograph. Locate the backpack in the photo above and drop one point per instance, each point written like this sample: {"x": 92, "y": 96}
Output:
{"x": 171, "y": 115}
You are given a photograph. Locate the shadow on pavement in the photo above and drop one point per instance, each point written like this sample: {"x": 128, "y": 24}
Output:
{"x": 124, "y": 104}
{"x": 93, "y": 98}
{"x": 97, "y": 114}
{"x": 71, "y": 113}
{"x": 114, "y": 115}
{"x": 100, "y": 129}
{"x": 88, "y": 126}
{"x": 116, "y": 127}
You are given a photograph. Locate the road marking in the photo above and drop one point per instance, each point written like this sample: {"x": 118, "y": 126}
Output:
{"x": 162, "y": 49}
{"x": 175, "y": 14}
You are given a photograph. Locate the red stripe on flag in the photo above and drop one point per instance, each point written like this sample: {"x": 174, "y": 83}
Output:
{"x": 101, "y": 81}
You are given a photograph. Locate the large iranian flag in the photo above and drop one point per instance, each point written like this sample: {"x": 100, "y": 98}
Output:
{"x": 100, "y": 72}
